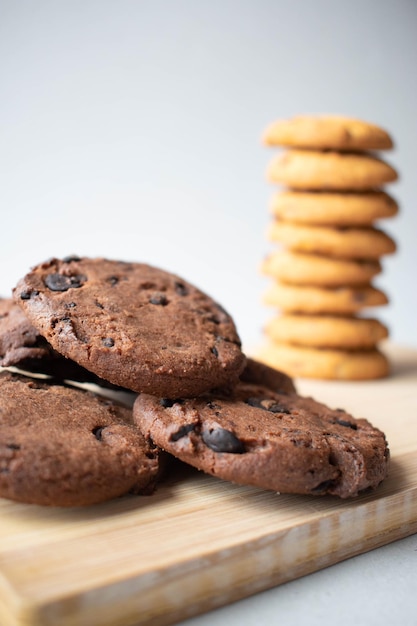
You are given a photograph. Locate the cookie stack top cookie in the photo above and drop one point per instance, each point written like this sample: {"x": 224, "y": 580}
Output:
{"x": 329, "y": 248}
{"x": 327, "y": 132}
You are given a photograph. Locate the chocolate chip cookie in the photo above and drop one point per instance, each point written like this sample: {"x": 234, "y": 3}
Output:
{"x": 274, "y": 441}
{"x": 132, "y": 324}
{"x": 22, "y": 346}
{"x": 62, "y": 446}
{"x": 259, "y": 373}
{"x": 20, "y": 342}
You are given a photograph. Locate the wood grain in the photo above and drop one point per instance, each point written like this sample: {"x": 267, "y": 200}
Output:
{"x": 198, "y": 542}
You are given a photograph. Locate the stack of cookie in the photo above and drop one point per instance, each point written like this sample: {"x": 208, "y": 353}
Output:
{"x": 330, "y": 249}
{"x": 193, "y": 394}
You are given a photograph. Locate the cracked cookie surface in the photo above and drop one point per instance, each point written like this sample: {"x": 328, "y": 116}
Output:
{"x": 62, "y": 446}
{"x": 22, "y": 346}
{"x": 281, "y": 442}
{"x": 133, "y": 325}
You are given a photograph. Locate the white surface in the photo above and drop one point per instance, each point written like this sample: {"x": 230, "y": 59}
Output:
{"x": 373, "y": 589}
{"x": 131, "y": 129}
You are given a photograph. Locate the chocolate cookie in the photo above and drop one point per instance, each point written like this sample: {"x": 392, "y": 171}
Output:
{"x": 132, "y": 324}
{"x": 274, "y": 441}
{"x": 20, "y": 342}
{"x": 23, "y": 347}
{"x": 62, "y": 446}
{"x": 258, "y": 373}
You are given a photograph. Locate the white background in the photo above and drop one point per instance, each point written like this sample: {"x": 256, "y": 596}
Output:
{"x": 131, "y": 129}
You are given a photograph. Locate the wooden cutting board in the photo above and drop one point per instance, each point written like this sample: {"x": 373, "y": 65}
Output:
{"x": 199, "y": 543}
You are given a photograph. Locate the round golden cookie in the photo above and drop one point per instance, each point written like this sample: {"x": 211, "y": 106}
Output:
{"x": 300, "y": 362}
{"x": 326, "y": 331}
{"x": 314, "y": 270}
{"x": 327, "y": 131}
{"x": 333, "y": 208}
{"x": 308, "y": 169}
{"x": 335, "y": 241}
{"x": 339, "y": 300}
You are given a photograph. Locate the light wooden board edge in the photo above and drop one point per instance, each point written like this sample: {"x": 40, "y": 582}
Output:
{"x": 194, "y": 586}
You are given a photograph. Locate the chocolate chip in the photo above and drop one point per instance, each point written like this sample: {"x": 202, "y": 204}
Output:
{"x": 113, "y": 280}
{"x": 108, "y": 342}
{"x": 13, "y": 446}
{"x": 222, "y": 440}
{"x": 60, "y": 282}
{"x": 347, "y": 424}
{"x": 168, "y": 402}
{"x": 147, "y": 284}
{"x": 182, "y": 432}
{"x": 278, "y": 408}
{"x": 273, "y": 407}
{"x": 159, "y": 298}
{"x": 255, "y": 402}
{"x": 213, "y": 405}
{"x": 181, "y": 289}
{"x": 323, "y": 486}
{"x": 27, "y": 294}
{"x": 97, "y": 432}
{"x": 69, "y": 259}
{"x": 215, "y": 351}
{"x": 99, "y": 305}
